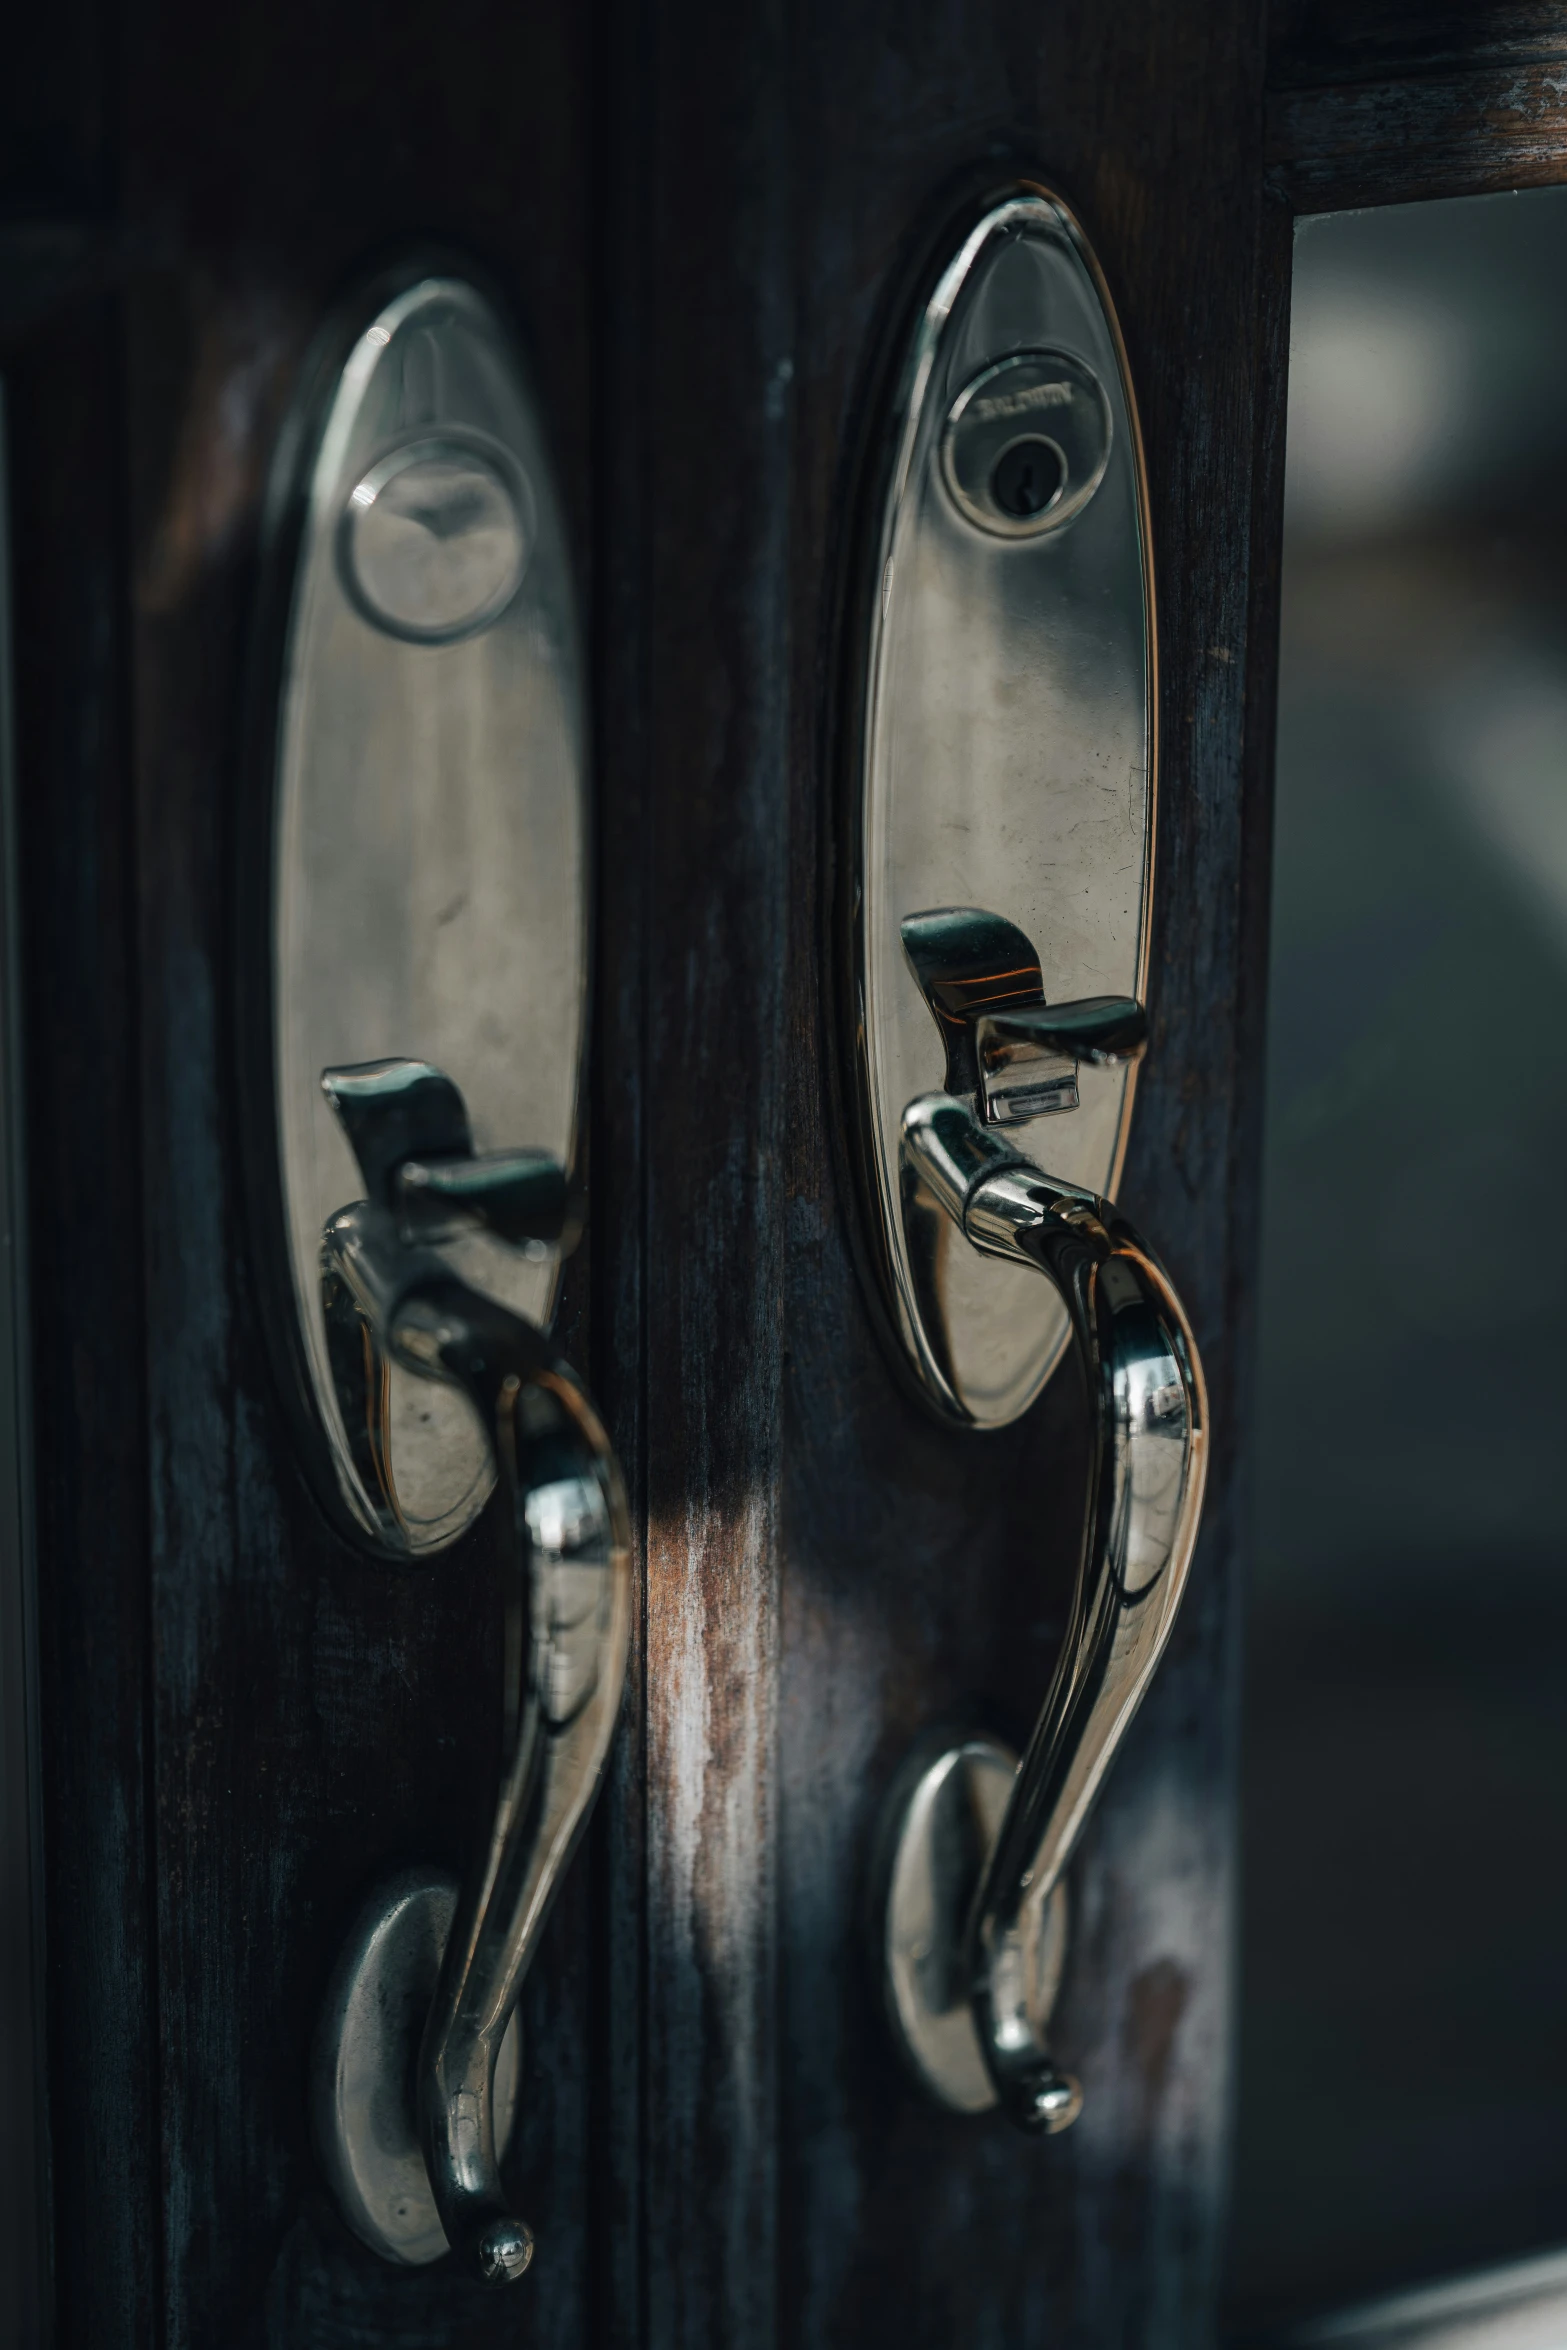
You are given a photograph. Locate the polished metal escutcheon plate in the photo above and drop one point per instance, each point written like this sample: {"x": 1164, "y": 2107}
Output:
{"x": 429, "y": 844}
{"x": 1003, "y": 758}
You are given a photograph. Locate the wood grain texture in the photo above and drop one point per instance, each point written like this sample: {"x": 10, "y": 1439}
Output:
{"x": 1312, "y": 42}
{"x": 1473, "y": 132}
{"x": 65, "y": 456}
{"x": 720, "y": 876}
{"x": 624, "y": 647}
{"x": 1393, "y": 103}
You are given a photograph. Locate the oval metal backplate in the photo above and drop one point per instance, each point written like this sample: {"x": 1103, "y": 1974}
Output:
{"x": 429, "y": 855}
{"x": 1002, "y": 745}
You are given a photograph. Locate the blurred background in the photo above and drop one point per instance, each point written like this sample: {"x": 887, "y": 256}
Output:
{"x": 1403, "y": 2037}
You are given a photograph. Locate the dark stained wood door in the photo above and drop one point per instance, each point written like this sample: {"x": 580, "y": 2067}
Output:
{"x": 703, "y": 220}
{"x": 246, "y": 1721}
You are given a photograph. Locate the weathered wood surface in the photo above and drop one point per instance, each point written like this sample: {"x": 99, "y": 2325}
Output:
{"x": 1315, "y": 41}
{"x": 1393, "y": 103}
{"x": 719, "y": 877}
{"x": 1469, "y": 133}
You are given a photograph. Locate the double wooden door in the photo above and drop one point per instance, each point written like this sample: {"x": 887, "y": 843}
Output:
{"x": 703, "y": 220}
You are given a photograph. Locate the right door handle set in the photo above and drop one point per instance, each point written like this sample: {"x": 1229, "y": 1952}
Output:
{"x": 973, "y": 1940}
{"x": 997, "y": 827}
{"x": 428, "y": 852}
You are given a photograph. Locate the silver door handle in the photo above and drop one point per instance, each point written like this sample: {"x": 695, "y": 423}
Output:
{"x": 389, "y": 1297}
{"x": 997, "y": 1940}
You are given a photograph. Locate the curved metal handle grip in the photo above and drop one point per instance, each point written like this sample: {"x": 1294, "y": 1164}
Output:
{"x": 566, "y": 1615}
{"x": 1145, "y": 1486}
{"x": 1148, "y": 1457}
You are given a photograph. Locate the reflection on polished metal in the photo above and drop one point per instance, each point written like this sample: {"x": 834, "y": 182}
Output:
{"x": 1039, "y": 409}
{"x": 362, "y": 2086}
{"x": 436, "y": 538}
{"x": 429, "y": 849}
{"x": 1519, "y": 2306}
{"x": 408, "y": 1126}
{"x": 1005, "y": 751}
{"x": 979, "y": 977}
{"x": 391, "y": 1298}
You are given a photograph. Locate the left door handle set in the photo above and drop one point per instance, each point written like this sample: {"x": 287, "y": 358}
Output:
{"x": 389, "y": 1297}
{"x": 427, "y": 894}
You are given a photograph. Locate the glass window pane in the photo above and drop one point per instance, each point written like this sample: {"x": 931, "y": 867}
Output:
{"x": 1403, "y": 2083}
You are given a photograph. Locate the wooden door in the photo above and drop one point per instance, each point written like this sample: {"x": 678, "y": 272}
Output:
{"x": 704, "y": 221}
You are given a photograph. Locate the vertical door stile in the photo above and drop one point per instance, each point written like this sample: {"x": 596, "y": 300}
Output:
{"x": 77, "y": 849}
{"x": 719, "y": 876}
{"x": 620, "y": 1097}
{"x": 24, "y": 2296}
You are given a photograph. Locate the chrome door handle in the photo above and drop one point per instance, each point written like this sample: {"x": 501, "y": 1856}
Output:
{"x": 985, "y": 1953}
{"x": 389, "y": 1297}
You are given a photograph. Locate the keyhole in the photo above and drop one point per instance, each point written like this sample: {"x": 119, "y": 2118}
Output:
{"x": 1028, "y": 477}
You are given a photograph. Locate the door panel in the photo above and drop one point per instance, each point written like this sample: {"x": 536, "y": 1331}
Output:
{"x": 317, "y": 1718}
{"x": 706, "y": 223}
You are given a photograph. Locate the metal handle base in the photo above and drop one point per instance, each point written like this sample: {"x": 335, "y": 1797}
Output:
{"x": 943, "y": 1819}
{"x": 364, "y": 2109}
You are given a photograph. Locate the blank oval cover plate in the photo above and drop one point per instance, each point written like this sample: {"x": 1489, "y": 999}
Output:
{"x": 1003, "y": 746}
